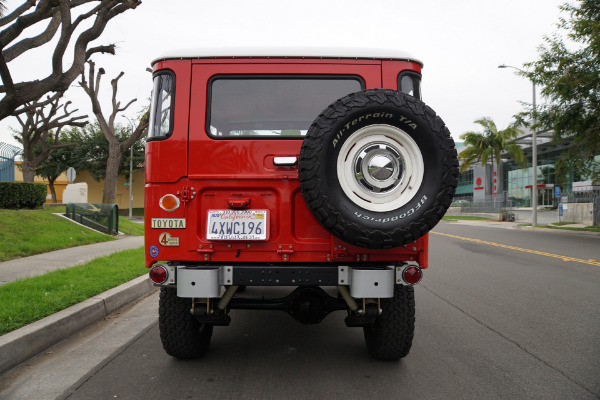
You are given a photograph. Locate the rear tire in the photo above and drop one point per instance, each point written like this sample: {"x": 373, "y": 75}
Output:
{"x": 389, "y": 338}
{"x": 181, "y": 334}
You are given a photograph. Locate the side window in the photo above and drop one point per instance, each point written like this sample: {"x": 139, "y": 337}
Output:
{"x": 410, "y": 83}
{"x": 161, "y": 109}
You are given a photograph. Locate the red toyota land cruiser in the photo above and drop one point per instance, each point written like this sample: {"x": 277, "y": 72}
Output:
{"x": 318, "y": 170}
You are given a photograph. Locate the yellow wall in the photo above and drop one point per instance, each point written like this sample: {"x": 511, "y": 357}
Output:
{"x": 95, "y": 189}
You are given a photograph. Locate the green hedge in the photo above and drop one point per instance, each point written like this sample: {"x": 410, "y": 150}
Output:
{"x": 17, "y": 195}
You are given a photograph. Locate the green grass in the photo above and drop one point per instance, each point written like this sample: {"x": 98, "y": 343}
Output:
{"x": 136, "y": 212}
{"x": 29, "y": 232}
{"x": 53, "y": 209}
{"x": 563, "y": 226}
{"x": 29, "y": 300}
{"x": 593, "y": 228}
{"x": 130, "y": 228}
{"x": 465, "y": 218}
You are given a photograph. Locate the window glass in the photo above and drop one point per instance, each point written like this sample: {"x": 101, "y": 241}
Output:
{"x": 272, "y": 106}
{"x": 410, "y": 83}
{"x": 161, "y": 113}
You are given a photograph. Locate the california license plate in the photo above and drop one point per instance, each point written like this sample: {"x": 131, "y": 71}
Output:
{"x": 237, "y": 225}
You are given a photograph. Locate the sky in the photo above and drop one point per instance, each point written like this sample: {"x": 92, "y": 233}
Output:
{"x": 461, "y": 43}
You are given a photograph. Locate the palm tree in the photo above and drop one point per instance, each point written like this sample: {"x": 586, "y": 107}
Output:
{"x": 490, "y": 145}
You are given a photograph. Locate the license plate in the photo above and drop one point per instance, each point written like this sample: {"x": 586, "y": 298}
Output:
{"x": 237, "y": 225}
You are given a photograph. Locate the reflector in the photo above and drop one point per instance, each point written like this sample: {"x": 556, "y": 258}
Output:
{"x": 169, "y": 202}
{"x": 159, "y": 274}
{"x": 412, "y": 274}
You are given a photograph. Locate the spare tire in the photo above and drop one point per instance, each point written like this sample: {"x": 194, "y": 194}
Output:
{"x": 378, "y": 168}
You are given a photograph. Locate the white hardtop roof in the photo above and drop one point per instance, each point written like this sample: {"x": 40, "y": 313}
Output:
{"x": 289, "y": 52}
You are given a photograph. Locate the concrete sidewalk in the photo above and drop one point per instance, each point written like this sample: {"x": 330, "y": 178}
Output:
{"x": 24, "y": 343}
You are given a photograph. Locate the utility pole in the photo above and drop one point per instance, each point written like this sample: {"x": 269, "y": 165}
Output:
{"x": 130, "y": 172}
{"x": 534, "y": 191}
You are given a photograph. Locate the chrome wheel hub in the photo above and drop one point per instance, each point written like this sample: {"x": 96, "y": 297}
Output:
{"x": 380, "y": 168}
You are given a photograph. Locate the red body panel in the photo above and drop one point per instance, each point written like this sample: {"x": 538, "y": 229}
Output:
{"x": 206, "y": 173}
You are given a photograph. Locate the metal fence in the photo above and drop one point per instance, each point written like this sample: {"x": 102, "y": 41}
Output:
{"x": 580, "y": 197}
{"x": 504, "y": 206}
{"x": 101, "y": 217}
{"x": 592, "y": 196}
{"x": 8, "y": 152}
{"x": 490, "y": 204}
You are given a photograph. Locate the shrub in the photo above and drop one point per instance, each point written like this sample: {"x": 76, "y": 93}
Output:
{"x": 17, "y": 195}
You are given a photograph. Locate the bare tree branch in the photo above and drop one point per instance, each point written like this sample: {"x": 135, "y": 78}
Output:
{"x": 27, "y": 44}
{"x": 36, "y": 104}
{"x": 9, "y": 86}
{"x": 110, "y": 49}
{"x": 15, "y": 14}
{"x": 38, "y": 127}
{"x": 116, "y": 149}
{"x": 18, "y": 94}
{"x": 44, "y": 10}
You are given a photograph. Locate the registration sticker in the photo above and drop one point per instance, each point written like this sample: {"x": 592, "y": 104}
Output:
{"x": 237, "y": 225}
{"x": 167, "y": 240}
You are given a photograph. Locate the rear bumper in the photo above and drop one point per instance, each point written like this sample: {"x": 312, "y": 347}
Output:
{"x": 194, "y": 281}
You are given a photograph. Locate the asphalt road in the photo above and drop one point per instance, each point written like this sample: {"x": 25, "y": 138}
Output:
{"x": 500, "y": 314}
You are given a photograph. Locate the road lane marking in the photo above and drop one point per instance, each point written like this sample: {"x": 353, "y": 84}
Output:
{"x": 505, "y": 246}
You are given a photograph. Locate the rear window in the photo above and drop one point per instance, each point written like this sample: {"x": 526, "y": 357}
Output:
{"x": 272, "y": 106}
{"x": 161, "y": 109}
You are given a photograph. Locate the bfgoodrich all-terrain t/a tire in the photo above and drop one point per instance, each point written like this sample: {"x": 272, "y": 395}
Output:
{"x": 390, "y": 337}
{"x": 378, "y": 168}
{"x": 181, "y": 334}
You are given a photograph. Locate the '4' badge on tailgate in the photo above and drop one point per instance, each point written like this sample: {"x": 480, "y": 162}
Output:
{"x": 237, "y": 225}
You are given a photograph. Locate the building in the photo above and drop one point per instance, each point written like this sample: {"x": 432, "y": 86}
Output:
{"x": 514, "y": 184}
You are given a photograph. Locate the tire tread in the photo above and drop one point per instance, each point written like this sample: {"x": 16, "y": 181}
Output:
{"x": 181, "y": 334}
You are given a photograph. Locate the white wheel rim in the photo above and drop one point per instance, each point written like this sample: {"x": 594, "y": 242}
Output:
{"x": 380, "y": 168}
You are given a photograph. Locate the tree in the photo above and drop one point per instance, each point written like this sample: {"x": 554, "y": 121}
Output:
{"x": 91, "y": 153}
{"x": 490, "y": 145}
{"x": 42, "y": 129}
{"x": 59, "y": 160}
{"x": 57, "y": 14}
{"x": 567, "y": 72}
{"x": 116, "y": 148}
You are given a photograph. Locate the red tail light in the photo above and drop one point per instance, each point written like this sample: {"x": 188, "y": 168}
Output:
{"x": 159, "y": 274}
{"x": 412, "y": 274}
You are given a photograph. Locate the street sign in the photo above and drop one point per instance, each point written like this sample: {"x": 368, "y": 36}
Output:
{"x": 71, "y": 174}
{"x": 556, "y": 191}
